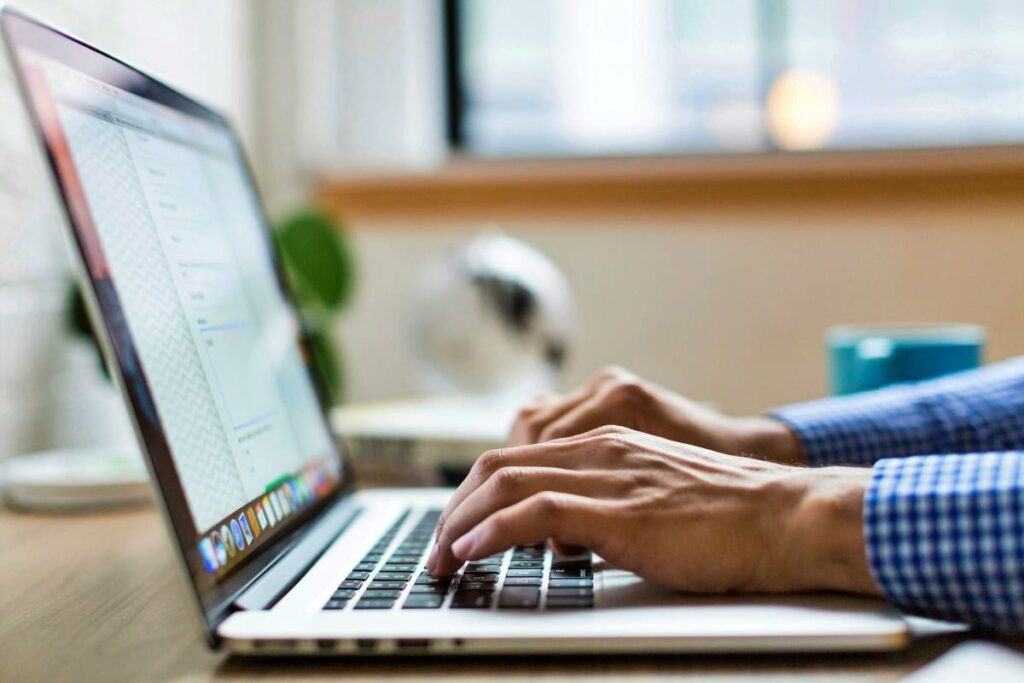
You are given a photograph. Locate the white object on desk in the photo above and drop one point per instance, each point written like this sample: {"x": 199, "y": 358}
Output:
{"x": 75, "y": 479}
{"x": 973, "y": 661}
{"x": 411, "y": 441}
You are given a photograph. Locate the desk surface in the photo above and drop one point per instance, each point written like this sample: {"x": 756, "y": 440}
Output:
{"x": 97, "y": 597}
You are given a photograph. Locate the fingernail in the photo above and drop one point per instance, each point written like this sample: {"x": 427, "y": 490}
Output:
{"x": 463, "y": 547}
{"x": 432, "y": 559}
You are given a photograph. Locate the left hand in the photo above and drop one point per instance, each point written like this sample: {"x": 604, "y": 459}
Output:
{"x": 682, "y": 516}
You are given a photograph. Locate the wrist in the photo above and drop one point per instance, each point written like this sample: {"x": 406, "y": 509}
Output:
{"x": 824, "y": 537}
{"x": 768, "y": 438}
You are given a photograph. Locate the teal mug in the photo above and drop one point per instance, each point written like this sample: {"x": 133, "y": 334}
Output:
{"x": 865, "y": 357}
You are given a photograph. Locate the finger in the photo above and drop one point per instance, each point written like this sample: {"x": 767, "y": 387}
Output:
{"x": 528, "y": 426}
{"x": 559, "y": 548}
{"x": 588, "y": 415}
{"x": 572, "y": 520}
{"x": 582, "y": 450}
{"x": 532, "y": 419}
{"x": 509, "y": 486}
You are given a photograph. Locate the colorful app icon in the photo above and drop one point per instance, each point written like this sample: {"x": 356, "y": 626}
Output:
{"x": 236, "y": 533}
{"x": 206, "y": 551}
{"x": 261, "y": 516}
{"x": 278, "y": 511}
{"x": 218, "y": 548}
{"x": 268, "y": 510}
{"x": 282, "y": 498}
{"x": 246, "y": 529}
{"x": 229, "y": 540}
{"x": 319, "y": 482}
{"x": 253, "y": 523}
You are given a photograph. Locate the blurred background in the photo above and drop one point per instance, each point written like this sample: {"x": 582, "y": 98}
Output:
{"x": 718, "y": 181}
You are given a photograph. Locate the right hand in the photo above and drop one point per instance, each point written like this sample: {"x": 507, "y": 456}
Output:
{"x": 614, "y": 396}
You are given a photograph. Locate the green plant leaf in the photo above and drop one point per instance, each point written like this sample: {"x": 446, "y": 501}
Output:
{"x": 317, "y": 258}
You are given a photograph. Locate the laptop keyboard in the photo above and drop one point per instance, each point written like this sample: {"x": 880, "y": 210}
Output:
{"x": 524, "y": 578}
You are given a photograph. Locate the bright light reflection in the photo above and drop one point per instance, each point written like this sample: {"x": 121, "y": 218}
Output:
{"x": 803, "y": 109}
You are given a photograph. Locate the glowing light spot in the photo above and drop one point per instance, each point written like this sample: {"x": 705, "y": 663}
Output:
{"x": 803, "y": 109}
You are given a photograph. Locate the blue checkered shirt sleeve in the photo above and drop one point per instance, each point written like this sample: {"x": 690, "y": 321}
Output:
{"x": 969, "y": 412}
{"x": 944, "y": 514}
{"x": 945, "y": 536}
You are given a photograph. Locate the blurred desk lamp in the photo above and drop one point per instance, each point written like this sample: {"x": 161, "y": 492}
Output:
{"x": 490, "y": 328}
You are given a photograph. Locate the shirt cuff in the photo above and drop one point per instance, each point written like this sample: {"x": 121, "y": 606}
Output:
{"x": 945, "y": 536}
{"x": 860, "y": 429}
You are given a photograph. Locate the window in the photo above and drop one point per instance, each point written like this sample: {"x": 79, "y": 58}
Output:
{"x": 632, "y": 77}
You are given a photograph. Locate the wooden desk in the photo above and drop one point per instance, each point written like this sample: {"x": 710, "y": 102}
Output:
{"x": 97, "y": 598}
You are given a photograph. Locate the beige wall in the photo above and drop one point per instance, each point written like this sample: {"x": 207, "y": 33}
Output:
{"x": 728, "y": 307}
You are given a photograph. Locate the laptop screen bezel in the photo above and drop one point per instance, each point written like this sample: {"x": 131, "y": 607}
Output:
{"x": 214, "y": 598}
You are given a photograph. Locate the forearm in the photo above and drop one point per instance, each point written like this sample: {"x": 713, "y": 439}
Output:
{"x": 971, "y": 412}
{"x": 944, "y": 536}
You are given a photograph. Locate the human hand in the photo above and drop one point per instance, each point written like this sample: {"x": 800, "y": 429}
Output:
{"x": 682, "y": 516}
{"x": 614, "y": 396}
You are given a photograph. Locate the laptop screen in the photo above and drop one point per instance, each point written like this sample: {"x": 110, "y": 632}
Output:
{"x": 176, "y": 247}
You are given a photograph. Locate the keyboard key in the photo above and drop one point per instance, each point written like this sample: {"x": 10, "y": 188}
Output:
{"x": 393, "y": 576}
{"x": 371, "y": 603}
{"x": 525, "y": 572}
{"x": 423, "y": 601}
{"x": 522, "y": 581}
{"x": 567, "y": 602}
{"x": 343, "y": 594}
{"x": 386, "y": 585}
{"x": 526, "y": 564}
{"x": 570, "y": 583}
{"x": 357, "y": 576}
{"x": 397, "y": 567}
{"x": 519, "y": 597}
{"x": 486, "y": 578}
{"x": 570, "y": 592}
{"x": 350, "y": 583}
{"x": 425, "y": 578}
{"x": 570, "y": 561}
{"x": 471, "y": 601}
{"x": 335, "y": 604}
{"x": 365, "y": 566}
{"x": 471, "y": 586}
{"x": 381, "y": 595}
{"x": 563, "y": 573}
{"x": 436, "y": 589}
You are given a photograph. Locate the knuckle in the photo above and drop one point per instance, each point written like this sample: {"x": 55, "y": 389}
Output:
{"x": 609, "y": 431}
{"x": 554, "y": 432}
{"x": 611, "y": 372}
{"x": 613, "y": 440}
{"x": 491, "y": 461}
{"x": 507, "y": 479}
{"x": 546, "y": 503}
{"x": 525, "y": 413}
{"x": 629, "y": 391}
{"x": 603, "y": 432}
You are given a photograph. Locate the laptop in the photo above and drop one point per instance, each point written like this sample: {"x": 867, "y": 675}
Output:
{"x": 281, "y": 553}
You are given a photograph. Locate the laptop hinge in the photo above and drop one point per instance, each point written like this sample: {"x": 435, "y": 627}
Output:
{"x": 279, "y": 578}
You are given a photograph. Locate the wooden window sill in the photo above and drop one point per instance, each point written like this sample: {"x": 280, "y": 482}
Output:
{"x": 494, "y": 190}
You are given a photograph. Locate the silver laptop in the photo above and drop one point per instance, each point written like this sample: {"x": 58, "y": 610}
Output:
{"x": 281, "y": 553}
